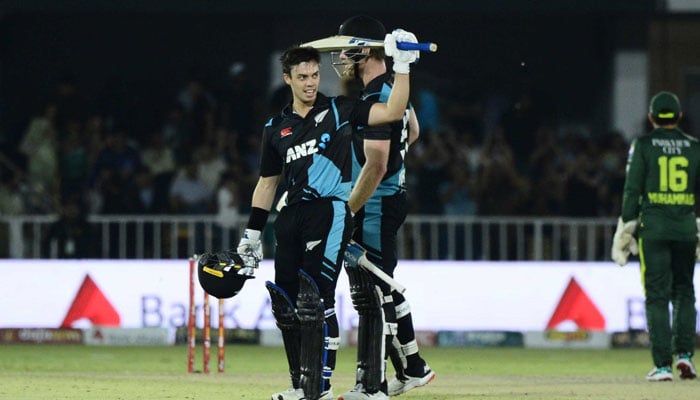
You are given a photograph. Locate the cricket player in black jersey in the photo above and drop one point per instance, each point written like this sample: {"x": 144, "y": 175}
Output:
{"x": 378, "y": 200}
{"x": 309, "y": 144}
{"x": 658, "y": 204}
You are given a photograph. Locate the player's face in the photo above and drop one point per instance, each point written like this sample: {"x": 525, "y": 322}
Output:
{"x": 345, "y": 62}
{"x": 304, "y": 79}
{"x": 348, "y": 69}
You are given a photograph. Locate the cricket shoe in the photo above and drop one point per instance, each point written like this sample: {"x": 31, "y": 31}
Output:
{"x": 660, "y": 374}
{"x": 685, "y": 367}
{"x": 359, "y": 393}
{"x": 298, "y": 394}
{"x": 399, "y": 386}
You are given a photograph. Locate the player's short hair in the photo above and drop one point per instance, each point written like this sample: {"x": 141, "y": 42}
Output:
{"x": 297, "y": 55}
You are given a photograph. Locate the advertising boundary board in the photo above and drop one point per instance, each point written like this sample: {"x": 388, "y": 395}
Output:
{"x": 444, "y": 296}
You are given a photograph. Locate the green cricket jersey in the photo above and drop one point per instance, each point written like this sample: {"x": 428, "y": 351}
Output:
{"x": 663, "y": 169}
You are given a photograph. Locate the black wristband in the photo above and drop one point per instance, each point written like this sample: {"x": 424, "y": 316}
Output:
{"x": 257, "y": 219}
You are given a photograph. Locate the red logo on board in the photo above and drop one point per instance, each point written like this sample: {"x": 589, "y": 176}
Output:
{"x": 91, "y": 304}
{"x": 577, "y": 307}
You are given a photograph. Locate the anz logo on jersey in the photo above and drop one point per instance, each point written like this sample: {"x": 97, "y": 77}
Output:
{"x": 307, "y": 148}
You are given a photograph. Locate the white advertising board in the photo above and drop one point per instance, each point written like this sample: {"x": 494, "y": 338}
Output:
{"x": 462, "y": 296}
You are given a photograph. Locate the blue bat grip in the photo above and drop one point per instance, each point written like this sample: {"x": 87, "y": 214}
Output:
{"x": 430, "y": 47}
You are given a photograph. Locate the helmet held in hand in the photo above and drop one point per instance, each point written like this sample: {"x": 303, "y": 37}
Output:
{"x": 222, "y": 275}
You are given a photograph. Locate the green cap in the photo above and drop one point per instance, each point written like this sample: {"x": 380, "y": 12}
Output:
{"x": 665, "y": 105}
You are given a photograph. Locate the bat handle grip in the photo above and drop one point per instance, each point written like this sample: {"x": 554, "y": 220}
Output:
{"x": 430, "y": 47}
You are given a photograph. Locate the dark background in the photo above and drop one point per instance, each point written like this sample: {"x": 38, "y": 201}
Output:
{"x": 145, "y": 50}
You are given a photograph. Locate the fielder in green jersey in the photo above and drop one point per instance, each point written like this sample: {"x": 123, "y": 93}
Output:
{"x": 658, "y": 205}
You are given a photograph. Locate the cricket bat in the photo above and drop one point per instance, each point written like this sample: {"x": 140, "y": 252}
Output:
{"x": 355, "y": 253}
{"x": 342, "y": 42}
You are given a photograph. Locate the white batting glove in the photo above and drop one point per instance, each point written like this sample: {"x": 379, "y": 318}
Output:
{"x": 250, "y": 247}
{"x": 624, "y": 243}
{"x": 402, "y": 58}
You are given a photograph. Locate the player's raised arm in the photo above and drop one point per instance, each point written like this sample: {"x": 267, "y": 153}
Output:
{"x": 393, "y": 109}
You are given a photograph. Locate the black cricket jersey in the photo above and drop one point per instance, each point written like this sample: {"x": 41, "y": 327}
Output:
{"x": 314, "y": 152}
{"x": 394, "y": 181}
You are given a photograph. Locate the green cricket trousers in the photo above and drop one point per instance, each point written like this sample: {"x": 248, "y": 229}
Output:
{"x": 667, "y": 268}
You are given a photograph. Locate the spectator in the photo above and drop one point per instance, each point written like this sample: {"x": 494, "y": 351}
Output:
{"x": 189, "y": 194}
{"x": 583, "y": 186}
{"x": 40, "y": 146}
{"x": 113, "y": 175}
{"x": 175, "y": 134}
{"x": 431, "y": 158}
{"x": 143, "y": 180}
{"x": 159, "y": 158}
{"x": 210, "y": 165}
{"x": 70, "y": 236}
{"x": 93, "y": 136}
{"x": 240, "y": 102}
{"x": 70, "y": 103}
{"x": 458, "y": 193}
{"x": 228, "y": 203}
{"x": 73, "y": 161}
{"x": 500, "y": 187}
{"x": 199, "y": 108}
{"x": 547, "y": 165}
{"x": 11, "y": 202}
{"x": 118, "y": 155}
{"x": 613, "y": 161}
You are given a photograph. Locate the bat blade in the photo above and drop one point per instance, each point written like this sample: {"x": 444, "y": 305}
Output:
{"x": 343, "y": 42}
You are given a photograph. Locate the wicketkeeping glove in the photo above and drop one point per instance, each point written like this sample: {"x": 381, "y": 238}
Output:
{"x": 250, "y": 247}
{"x": 402, "y": 58}
{"x": 624, "y": 242}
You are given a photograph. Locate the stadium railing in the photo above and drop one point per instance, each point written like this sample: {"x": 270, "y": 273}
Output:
{"x": 422, "y": 237}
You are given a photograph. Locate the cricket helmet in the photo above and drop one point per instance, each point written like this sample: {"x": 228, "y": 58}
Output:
{"x": 222, "y": 275}
{"x": 359, "y": 26}
{"x": 364, "y": 27}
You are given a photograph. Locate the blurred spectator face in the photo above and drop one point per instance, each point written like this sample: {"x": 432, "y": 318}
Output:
{"x": 191, "y": 170}
{"x": 195, "y": 88}
{"x": 71, "y": 210}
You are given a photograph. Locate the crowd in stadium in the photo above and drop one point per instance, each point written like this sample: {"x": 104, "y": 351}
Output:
{"x": 471, "y": 159}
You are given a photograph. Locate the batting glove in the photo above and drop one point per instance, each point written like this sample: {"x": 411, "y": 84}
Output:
{"x": 624, "y": 243}
{"x": 402, "y": 58}
{"x": 250, "y": 247}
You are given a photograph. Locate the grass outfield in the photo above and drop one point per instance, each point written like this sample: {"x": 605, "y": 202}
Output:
{"x": 40, "y": 372}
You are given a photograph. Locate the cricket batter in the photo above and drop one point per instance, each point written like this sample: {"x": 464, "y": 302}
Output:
{"x": 663, "y": 176}
{"x": 309, "y": 144}
{"x": 378, "y": 200}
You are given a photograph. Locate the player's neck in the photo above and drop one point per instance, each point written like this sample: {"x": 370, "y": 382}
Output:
{"x": 371, "y": 70}
{"x": 302, "y": 108}
{"x": 666, "y": 126}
